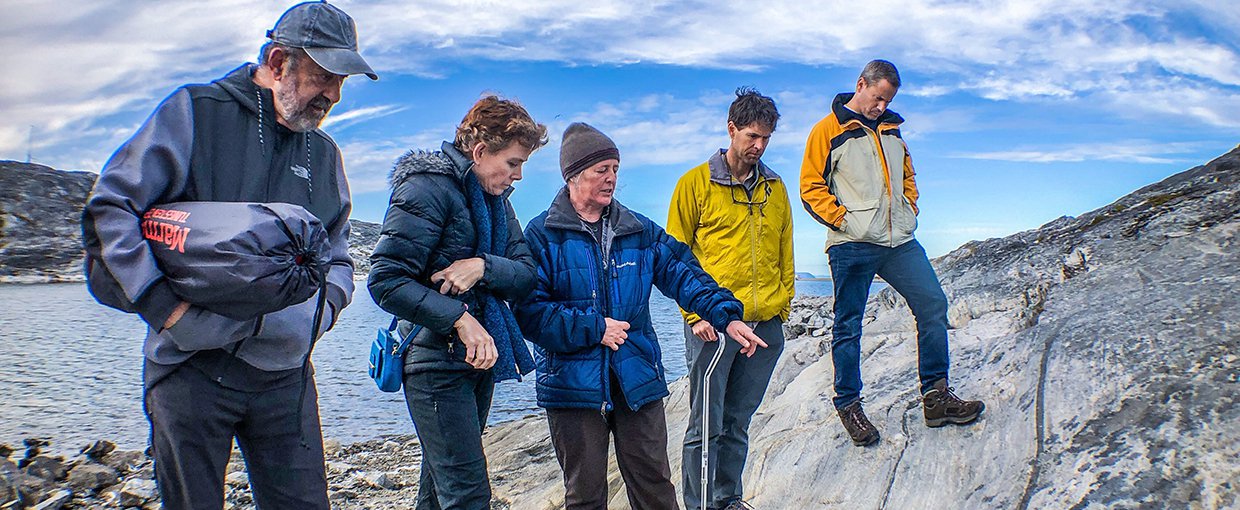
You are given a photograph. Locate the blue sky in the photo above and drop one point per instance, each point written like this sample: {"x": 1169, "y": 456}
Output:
{"x": 1018, "y": 112}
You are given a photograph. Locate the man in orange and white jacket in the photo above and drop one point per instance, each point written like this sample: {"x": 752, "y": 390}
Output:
{"x": 857, "y": 179}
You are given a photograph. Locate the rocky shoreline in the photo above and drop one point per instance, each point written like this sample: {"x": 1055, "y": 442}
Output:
{"x": 1105, "y": 346}
{"x": 374, "y": 474}
{"x": 380, "y": 473}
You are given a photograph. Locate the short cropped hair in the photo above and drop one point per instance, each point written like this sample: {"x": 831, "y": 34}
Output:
{"x": 295, "y": 55}
{"x": 751, "y": 106}
{"x": 879, "y": 70}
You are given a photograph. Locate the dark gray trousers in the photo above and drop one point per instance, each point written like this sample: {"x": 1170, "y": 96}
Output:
{"x": 736, "y": 390}
{"x": 449, "y": 409}
{"x": 194, "y": 421}
{"x": 580, "y": 440}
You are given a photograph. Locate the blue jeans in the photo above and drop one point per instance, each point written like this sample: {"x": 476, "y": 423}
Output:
{"x": 907, "y": 270}
{"x": 449, "y": 411}
{"x": 737, "y": 387}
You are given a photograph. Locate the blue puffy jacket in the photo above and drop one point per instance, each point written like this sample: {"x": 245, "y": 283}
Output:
{"x": 577, "y": 286}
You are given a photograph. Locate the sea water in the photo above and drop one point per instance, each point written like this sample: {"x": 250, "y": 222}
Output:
{"x": 71, "y": 369}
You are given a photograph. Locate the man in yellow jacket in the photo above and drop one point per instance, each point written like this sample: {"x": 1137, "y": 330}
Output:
{"x": 857, "y": 179}
{"x": 733, "y": 211}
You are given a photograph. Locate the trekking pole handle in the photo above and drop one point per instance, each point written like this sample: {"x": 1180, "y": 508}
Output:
{"x": 710, "y": 370}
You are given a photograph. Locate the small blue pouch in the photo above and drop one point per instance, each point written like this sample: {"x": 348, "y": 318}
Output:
{"x": 387, "y": 357}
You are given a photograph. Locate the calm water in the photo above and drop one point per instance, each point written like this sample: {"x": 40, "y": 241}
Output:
{"x": 72, "y": 369}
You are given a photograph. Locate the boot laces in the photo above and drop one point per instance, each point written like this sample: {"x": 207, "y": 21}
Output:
{"x": 858, "y": 418}
{"x": 947, "y": 396}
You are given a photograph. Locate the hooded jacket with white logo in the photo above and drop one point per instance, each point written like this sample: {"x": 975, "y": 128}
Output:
{"x": 215, "y": 142}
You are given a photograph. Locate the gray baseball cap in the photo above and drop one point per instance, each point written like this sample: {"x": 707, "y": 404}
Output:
{"x": 327, "y": 34}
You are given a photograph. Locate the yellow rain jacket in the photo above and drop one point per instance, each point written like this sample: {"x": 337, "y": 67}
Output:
{"x": 743, "y": 241}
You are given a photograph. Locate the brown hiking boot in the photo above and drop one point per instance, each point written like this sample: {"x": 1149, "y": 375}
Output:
{"x": 858, "y": 426}
{"x": 942, "y": 406}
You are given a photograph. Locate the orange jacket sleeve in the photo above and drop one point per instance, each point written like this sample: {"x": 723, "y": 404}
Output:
{"x": 816, "y": 194}
{"x": 910, "y": 184}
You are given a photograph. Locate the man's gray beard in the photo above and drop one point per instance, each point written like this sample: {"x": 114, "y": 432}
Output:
{"x": 298, "y": 117}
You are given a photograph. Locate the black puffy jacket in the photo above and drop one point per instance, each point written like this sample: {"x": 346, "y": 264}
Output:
{"x": 427, "y": 227}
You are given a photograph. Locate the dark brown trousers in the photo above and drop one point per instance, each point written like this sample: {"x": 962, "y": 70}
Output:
{"x": 580, "y": 438}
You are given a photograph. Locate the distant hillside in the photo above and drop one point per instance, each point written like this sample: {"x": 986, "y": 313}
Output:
{"x": 40, "y": 228}
{"x": 41, "y": 233}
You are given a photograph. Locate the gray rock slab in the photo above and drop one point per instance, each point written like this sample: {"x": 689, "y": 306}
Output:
{"x": 137, "y": 492}
{"x": 91, "y": 477}
{"x": 56, "y": 501}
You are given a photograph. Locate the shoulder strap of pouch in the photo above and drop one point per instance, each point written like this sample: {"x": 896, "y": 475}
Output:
{"x": 404, "y": 342}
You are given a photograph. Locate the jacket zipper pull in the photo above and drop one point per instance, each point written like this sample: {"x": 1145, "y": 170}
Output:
{"x": 602, "y": 409}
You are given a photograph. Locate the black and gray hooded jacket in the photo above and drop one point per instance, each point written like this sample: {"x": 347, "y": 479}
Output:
{"x": 427, "y": 227}
{"x": 214, "y": 142}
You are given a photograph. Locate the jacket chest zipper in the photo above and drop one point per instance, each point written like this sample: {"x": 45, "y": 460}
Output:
{"x": 600, "y": 278}
{"x": 753, "y": 255}
{"x": 891, "y": 201}
{"x": 753, "y": 250}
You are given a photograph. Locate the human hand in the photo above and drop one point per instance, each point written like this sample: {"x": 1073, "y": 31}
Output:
{"x": 459, "y": 277}
{"x": 744, "y": 335}
{"x": 615, "y": 334}
{"x": 705, "y": 331}
{"x": 177, "y": 313}
{"x": 480, "y": 351}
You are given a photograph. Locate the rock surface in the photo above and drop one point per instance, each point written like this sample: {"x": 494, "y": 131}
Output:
{"x": 41, "y": 230}
{"x": 1105, "y": 347}
{"x": 40, "y": 226}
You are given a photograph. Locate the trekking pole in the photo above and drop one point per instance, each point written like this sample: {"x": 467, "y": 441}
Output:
{"x": 710, "y": 369}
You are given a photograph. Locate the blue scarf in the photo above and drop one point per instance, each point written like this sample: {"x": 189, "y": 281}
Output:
{"x": 491, "y": 222}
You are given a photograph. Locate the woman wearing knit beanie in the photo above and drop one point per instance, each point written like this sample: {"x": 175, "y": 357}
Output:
{"x": 449, "y": 259}
{"x": 589, "y": 319}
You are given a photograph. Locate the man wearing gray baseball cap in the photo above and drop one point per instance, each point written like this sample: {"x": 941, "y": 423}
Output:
{"x": 251, "y": 136}
{"x": 326, "y": 33}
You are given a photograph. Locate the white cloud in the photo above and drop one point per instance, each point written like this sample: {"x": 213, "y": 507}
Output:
{"x": 657, "y": 129}
{"x": 369, "y": 162}
{"x": 72, "y": 66}
{"x": 339, "y": 122}
{"x": 1135, "y": 151}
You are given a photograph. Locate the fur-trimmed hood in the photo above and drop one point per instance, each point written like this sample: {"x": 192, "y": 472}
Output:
{"x": 446, "y": 161}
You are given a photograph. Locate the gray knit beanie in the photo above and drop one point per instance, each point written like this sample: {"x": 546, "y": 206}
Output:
{"x": 582, "y": 147}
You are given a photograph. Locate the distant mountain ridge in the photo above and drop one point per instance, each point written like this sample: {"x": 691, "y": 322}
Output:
{"x": 41, "y": 232}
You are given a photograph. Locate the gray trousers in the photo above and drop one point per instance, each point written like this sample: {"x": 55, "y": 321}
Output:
{"x": 194, "y": 421}
{"x": 736, "y": 390}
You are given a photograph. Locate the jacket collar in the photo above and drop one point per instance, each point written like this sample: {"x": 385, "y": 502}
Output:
{"x": 445, "y": 161}
{"x": 463, "y": 165}
{"x": 239, "y": 83}
{"x": 460, "y": 162}
{"x": 846, "y": 116}
{"x": 719, "y": 170}
{"x": 561, "y": 215}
